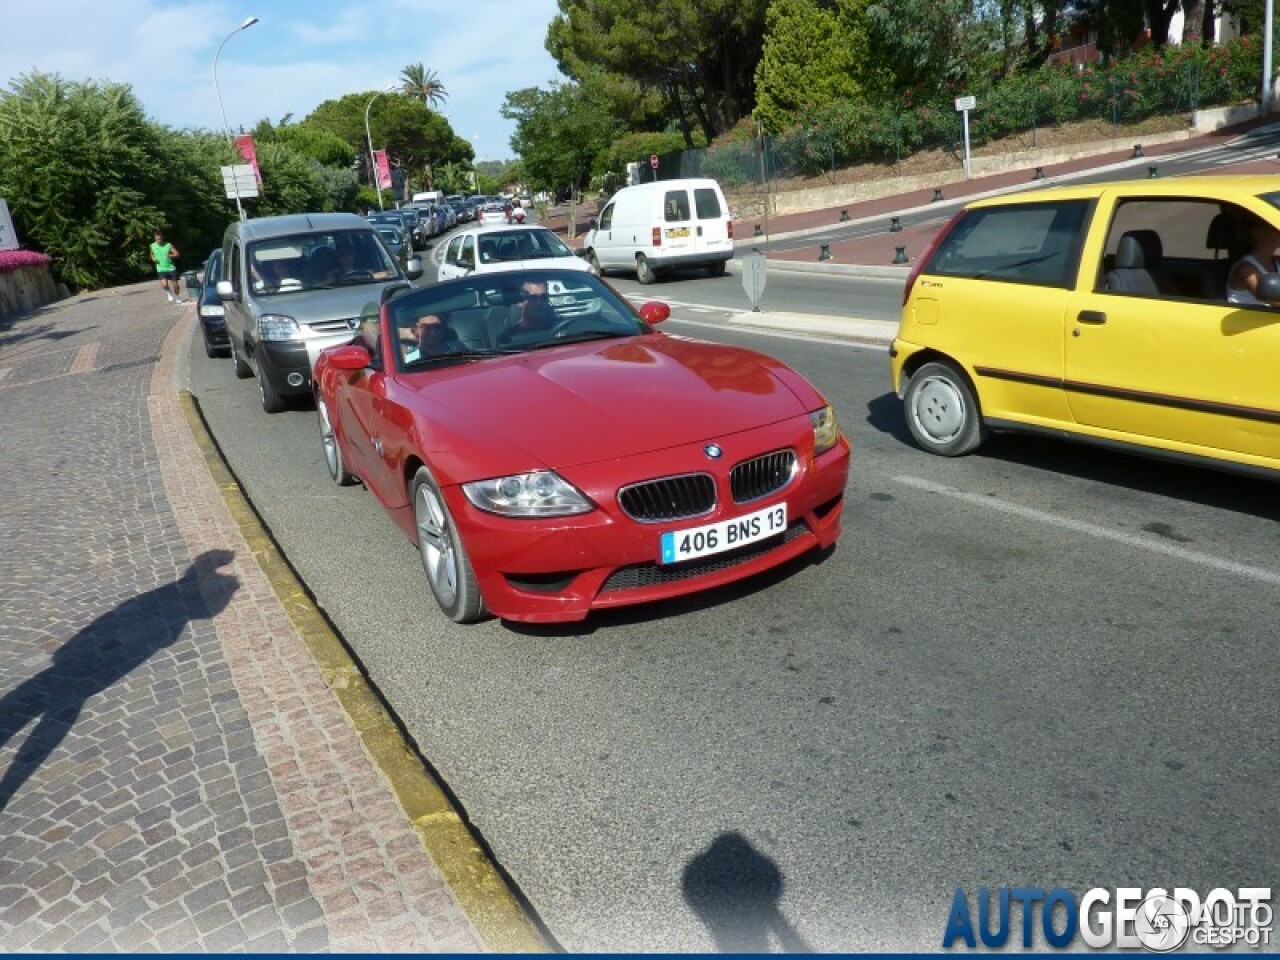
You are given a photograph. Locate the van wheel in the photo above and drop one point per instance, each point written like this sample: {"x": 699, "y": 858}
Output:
{"x": 444, "y": 558}
{"x": 716, "y": 269}
{"x": 241, "y": 368}
{"x": 272, "y": 402}
{"x": 644, "y": 272}
{"x": 942, "y": 411}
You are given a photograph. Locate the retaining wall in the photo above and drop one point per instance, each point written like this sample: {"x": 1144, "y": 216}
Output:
{"x": 747, "y": 205}
{"x": 26, "y": 288}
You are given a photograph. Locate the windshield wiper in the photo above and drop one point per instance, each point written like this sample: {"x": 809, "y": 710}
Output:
{"x": 460, "y": 355}
{"x": 582, "y": 338}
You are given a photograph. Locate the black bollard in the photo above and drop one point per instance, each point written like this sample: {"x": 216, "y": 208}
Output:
{"x": 895, "y": 225}
{"x": 900, "y": 255}
{"x": 1137, "y": 152}
{"x": 937, "y": 194}
{"x": 825, "y": 252}
{"x": 1039, "y": 174}
{"x": 759, "y": 232}
{"x": 1152, "y": 172}
{"x": 844, "y": 216}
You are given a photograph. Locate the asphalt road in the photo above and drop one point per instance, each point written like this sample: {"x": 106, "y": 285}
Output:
{"x": 1041, "y": 665}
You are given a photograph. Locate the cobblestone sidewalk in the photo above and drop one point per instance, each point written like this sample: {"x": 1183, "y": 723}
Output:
{"x": 174, "y": 773}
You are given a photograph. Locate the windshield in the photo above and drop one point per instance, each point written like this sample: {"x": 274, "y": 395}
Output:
{"x": 500, "y": 245}
{"x": 496, "y": 314}
{"x": 318, "y": 261}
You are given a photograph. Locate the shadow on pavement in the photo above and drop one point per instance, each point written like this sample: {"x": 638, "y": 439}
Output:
{"x": 101, "y": 654}
{"x": 735, "y": 891}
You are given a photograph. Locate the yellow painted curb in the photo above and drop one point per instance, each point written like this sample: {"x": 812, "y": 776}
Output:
{"x": 474, "y": 879}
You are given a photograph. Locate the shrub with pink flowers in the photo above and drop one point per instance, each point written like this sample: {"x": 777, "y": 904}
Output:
{"x": 11, "y": 260}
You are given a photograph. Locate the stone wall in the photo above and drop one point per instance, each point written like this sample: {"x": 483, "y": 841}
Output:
{"x": 26, "y": 288}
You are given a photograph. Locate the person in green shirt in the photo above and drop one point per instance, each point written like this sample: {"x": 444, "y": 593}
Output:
{"x": 163, "y": 254}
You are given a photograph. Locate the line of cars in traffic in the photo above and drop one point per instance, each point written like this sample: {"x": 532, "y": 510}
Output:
{"x": 546, "y": 446}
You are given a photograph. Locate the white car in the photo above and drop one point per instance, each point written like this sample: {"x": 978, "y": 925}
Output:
{"x": 499, "y": 248}
{"x": 492, "y": 213}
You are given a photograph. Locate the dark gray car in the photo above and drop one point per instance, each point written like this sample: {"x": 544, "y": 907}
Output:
{"x": 295, "y": 285}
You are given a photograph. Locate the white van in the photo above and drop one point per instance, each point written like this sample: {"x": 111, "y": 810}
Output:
{"x": 428, "y": 196}
{"x": 653, "y": 226}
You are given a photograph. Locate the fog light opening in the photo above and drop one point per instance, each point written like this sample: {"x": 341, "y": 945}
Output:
{"x": 296, "y": 379}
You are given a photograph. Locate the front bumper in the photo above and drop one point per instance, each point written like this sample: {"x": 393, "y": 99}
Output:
{"x": 560, "y": 570}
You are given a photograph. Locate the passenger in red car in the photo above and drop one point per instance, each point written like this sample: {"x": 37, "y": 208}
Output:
{"x": 434, "y": 338}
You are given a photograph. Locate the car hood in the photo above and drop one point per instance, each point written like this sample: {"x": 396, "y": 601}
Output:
{"x": 315, "y": 306}
{"x": 582, "y": 403}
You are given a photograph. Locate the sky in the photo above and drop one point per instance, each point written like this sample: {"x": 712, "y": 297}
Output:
{"x": 299, "y": 54}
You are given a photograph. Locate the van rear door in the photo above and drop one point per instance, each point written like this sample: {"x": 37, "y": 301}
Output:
{"x": 678, "y": 228}
{"x": 711, "y": 227}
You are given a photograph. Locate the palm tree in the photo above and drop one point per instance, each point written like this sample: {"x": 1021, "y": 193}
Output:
{"x": 423, "y": 84}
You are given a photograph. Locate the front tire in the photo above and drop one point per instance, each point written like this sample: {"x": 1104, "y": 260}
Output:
{"x": 444, "y": 558}
{"x": 333, "y": 458}
{"x": 644, "y": 270}
{"x": 241, "y": 368}
{"x": 717, "y": 269}
{"x": 272, "y": 402}
{"x": 942, "y": 411}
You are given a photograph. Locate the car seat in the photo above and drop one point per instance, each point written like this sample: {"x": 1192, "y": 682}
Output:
{"x": 1139, "y": 266}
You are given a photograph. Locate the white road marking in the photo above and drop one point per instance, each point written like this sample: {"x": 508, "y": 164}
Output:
{"x": 780, "y": 334}
{"x": 1094, "y": 530}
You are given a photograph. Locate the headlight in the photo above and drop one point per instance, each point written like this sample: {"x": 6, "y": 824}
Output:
{"x": 272, "y": 326}
{"x": 825, "y": 432}
{"x": 212, "y": 310}
{"x": 541, "y": 494}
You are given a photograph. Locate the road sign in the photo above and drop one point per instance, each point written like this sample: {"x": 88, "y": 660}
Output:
{"x": 966, "y": 103}
{"x": 753, "y": 278}
{"x": 653, "y": 160}
{"x": 239, "y": 181}
{"x": 8, "y": 236}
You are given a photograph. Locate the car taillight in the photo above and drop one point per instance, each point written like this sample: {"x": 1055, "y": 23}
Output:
{"x": 730, "y": 229}
{"x": 928, "y": 252}
{"x": 657, "y": 236}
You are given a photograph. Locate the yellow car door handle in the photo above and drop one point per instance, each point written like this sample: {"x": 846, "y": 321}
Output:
{"x": 1091, "y": 316}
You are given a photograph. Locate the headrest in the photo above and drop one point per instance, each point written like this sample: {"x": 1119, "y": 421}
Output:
{"x": 1138, "y": 250}
{"x": 1221, "y": 235}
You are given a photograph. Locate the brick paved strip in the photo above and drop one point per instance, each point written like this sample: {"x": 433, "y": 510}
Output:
{"x": 314, "y": 714}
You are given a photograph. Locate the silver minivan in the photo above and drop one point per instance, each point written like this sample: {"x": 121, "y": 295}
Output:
{"x": 295, "y": 285}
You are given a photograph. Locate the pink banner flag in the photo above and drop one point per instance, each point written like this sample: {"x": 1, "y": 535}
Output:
{"x": 244, "y": 144}
{"x": 384, "y": 169}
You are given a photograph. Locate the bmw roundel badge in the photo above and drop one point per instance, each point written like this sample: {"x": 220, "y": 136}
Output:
{"x": 713, "y": 451}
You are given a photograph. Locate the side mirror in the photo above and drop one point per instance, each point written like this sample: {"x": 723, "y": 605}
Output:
{"x": 414, "y": 268}
{"x": 595, "y": 224}
{"x": 1269, "y": 288}
{"x": 655, "y": 311}
{"x": 225, "y": 291}
{"x": 351, "y": 356}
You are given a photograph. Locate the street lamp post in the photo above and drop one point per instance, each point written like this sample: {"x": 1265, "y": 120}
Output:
{"x": 248, "y": 22}
{"x": 373, "y": 163}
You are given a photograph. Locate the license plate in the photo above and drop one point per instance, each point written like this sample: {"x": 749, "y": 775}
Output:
{"x": 678, "y": 232}
{"x": 680, "y": 545}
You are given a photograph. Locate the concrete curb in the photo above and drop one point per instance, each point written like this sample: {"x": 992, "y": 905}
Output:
{"x": 477, "y": 884}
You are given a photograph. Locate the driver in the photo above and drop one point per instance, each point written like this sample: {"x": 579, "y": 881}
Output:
{"x": 536, "y": 313}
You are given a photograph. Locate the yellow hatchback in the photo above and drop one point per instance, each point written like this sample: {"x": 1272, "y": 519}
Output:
{"x": 1103, "y": 313}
